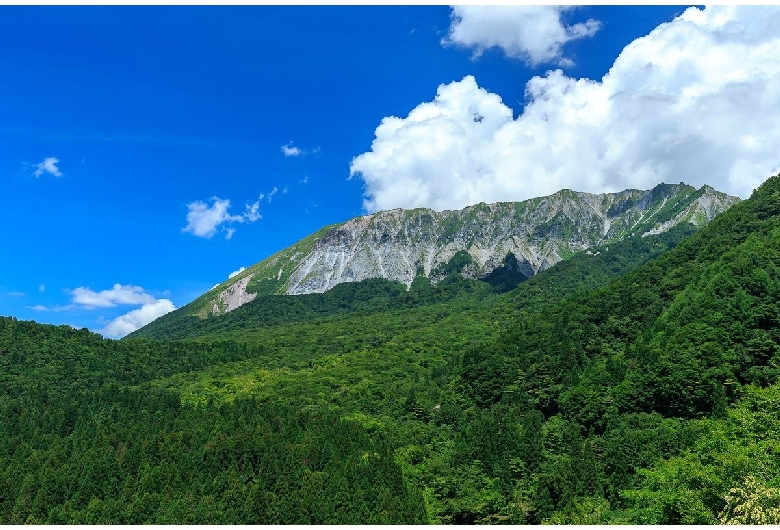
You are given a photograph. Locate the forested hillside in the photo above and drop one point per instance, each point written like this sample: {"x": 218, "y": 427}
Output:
{"x": 634, "y": 384}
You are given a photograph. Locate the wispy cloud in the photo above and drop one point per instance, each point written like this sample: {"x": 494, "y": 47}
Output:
{"x": 49, "y": 165}
{"x": 290, "y": 150}
{"x": 273, "y": 192}
{"x": 304, "y": 180}
{"x": 55, "y": 309}
{"x": 252, "y": 212}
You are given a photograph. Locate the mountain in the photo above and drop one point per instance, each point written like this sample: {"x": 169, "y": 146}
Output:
{"x": 522, "y": 238}
{"x": 635, "y": 384}
{"x": 353, "y": 300}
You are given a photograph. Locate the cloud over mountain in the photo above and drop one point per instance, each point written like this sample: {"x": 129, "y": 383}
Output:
{"x": 137, "y": 318}
{"x": 696, "y": 100}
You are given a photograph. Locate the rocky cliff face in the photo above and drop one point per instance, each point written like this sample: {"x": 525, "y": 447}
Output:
{"x": 402, "y": 244}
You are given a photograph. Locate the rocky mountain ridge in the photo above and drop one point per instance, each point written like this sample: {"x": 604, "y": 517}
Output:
{"x": 527, "y": 237}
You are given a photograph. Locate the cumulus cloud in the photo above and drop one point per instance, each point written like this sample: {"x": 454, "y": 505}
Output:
{"x": 235, "y": 273}
{"x": 49, "y": 165}
{"x": 696, "y": 100}
{"x": 118, "y": 294}
{"x": 137, "y": 318}
{"x": 204, "y": 220}
{"x": 535, "y": 34}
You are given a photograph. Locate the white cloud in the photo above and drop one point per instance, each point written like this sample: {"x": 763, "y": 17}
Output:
{"x": 49, "y": 165}
{"x": 535, "y": 34}
{"x": 236, "y": 273}
{"x": 56, "y": 309}
{"x": 273, "y": 192}
{"x": 291, "y": 151}
{"x": 252, "y": 212}
{"x": 696, "y": 100}
{"x": 42, "y": 287}
{"x": 118, "y": 294}
{"x": 204, "y": 220}
{"x": 137, "y": 318}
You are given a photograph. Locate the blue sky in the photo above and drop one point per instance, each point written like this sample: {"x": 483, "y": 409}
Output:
{"x": 147, "y": 152}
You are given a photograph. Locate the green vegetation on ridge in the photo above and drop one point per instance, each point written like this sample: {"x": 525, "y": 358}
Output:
{"x": 635, "y": 384}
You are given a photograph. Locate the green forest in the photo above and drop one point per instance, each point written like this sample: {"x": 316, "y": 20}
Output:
{"x": 636, "y": 383}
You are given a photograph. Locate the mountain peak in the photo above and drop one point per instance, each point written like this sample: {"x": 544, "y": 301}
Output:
{"x": 400, "y": 244}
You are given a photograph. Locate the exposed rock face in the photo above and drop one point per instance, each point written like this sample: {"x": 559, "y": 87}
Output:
{"x": 402, "y": 244}
{"x": 233, "y": 296}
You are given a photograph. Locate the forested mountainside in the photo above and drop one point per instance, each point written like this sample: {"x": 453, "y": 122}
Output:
{"x": 636, "y": 384}
{"x": 524, "y": 237}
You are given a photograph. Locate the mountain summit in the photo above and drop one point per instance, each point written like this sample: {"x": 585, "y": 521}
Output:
{"x": 520, "y": 237}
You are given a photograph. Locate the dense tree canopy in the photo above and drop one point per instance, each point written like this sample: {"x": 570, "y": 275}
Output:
{"x": 636, "y": 383}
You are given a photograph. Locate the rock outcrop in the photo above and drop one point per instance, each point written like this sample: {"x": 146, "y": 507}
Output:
{"x": 403, "y": 244}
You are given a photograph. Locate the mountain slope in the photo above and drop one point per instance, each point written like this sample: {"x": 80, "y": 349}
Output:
{"x": 376, "y": 295}
{"x": 400, "y": 245}
{"x": 612, "y": 406}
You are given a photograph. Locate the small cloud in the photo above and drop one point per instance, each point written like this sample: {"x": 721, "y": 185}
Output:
{"x": 42, "y": 287}
{"x": 16, "y": 293}
{"x": 252, "y": 212}
{"x": 138, "y": 318}
{"x": 305, "y": 180}
{"x": 204, "y": 220}
{"x": 284, "y": 190}
{"x": 49, "y": 165}
{"x": 55, "y": 309}
{"x": 236, "y": 273}
{"x": 273, "y": 192}
{"x": 291, "y": 151}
